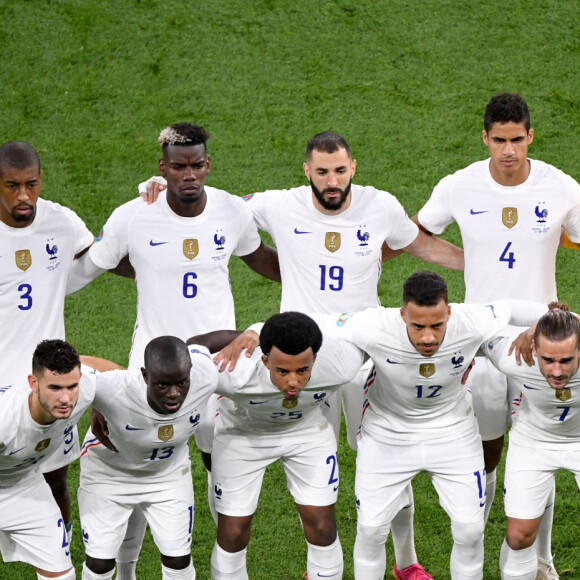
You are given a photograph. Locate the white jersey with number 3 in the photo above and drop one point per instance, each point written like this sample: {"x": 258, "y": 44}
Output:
{"x": 510, "y": 234}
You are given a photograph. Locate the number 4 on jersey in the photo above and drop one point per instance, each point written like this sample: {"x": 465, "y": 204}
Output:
{"x": 508, "y": 256}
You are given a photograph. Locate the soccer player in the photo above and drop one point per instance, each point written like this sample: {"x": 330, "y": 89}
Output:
{"x": 545, "y": 436}
{"x": 511, "y": 211}
{"x": 272, "y": 411}
{"x": 151, "y": 415}
{"x": 40, "y": 240}
{"x": 36, "y": 422}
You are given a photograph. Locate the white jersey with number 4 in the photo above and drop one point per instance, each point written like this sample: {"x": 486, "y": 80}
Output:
{"x": 331, "y": 262}
{"x": 181, "y": 263}
{"x": 34, "y": 264}
{"x": 153, "y": 447}
{"x": 510, "y": 234}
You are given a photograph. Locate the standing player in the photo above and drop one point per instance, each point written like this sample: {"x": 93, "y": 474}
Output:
{"x": 151, "y": 415}
{"x": 511, "y": 211}
{"x": 36, "y": 421}
{"x": 545, "y": 436}
{"x": 40, "y": 239}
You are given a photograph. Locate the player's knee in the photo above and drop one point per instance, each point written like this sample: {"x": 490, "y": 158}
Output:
{"x": 99, "y": 565}
{"x": 176, "y": 562}
{"x": 470, "y": 534}
{"x": 518, "y": 539}
{"x": 372, "y": 535}
{"x": 233, "y": 534}
{"x": 321, "y": 532}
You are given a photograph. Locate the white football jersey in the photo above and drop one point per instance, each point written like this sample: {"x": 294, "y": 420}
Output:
{"x": 35, "y": 262}
{"x": 152, "y": 447}
{"x": 24, "y": 444}
{"x": 331, "y": 262}
{"x": 546, "y": 417}
{"x": 415, "y": 397}
{"x": 510, "y": 234}
{"x": 181, "y": 264}
{"x": 253, "y": 405}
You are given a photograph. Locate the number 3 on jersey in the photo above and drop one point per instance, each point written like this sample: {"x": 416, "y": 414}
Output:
{"x": 26, "y": 290}
{"x": 333, "y": 278}
{"x": 508, "y": 256}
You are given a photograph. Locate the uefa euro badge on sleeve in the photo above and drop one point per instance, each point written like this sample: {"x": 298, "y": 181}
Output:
{"x": 190, "y": 248}
{"x": 165, "y": 433}
{"x": 332, "y": 241}
{"x": 509, "y": 216}
{"x": 42, "y": 445}
{"x": 23, "y": 259}
{"x": 289, "y": 403}
{"x": 563, "y": 395}
{"x": 427, "y": 370}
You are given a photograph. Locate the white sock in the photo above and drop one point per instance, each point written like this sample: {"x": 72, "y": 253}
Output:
{"x": 489, "y": 493}
{"x": 126, "y": 571}
{"x": 90, "y": 575}
{"x": 183, "y": 574}
{"x": 402, "y": 534}
{"x": 370, "y": 558}
{"x": 325, "y": 561}
{"x": 228, "y": 565}
{"x": 518, "y": 564}
{"x": 70, "y": 575}
{"x": 544, "y": 538}
{"x": 467, "y": 553}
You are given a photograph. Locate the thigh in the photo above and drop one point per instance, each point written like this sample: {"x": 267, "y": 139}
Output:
{"x": 32, "y": 528}
{"x": 312, "y": 469}
{"x": 383, "y": 471}
{"x": 490, "y": 399}
{"x": 353, "y": 397}
{"x": 103, "y": 522}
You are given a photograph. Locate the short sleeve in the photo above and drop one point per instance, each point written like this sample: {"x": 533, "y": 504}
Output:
{"x": 437, "y": 213}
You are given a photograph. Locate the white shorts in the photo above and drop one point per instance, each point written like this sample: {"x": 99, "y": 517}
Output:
{"x": 385, "y": 468}
{"x": 490, "y": 399}
{"x": 169, "y": 514}
{"x": 32, "y": 529}
{"x": 529, "y": 477}
{"x": 239, "y": 463}
{"x": 68, "y": 451}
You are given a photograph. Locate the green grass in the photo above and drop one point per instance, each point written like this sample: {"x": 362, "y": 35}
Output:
{"x": 91, "y": 84}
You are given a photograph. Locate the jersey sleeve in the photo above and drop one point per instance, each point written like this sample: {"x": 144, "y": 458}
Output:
{"x": 82, "y": 236}
{"x": 359, "y": 328}
{"x": 250, "y": 238}
{"x": 203, "y": 370}
{"x": 402, "y": 231}
{"x": 337, "y": 362}
{"x": 231, "y": 382}
{"x": 262, "y": 205}
{"x": 437, "y": 213}
{"x": 496, "y": 349}
{"x": 572, "y": 219}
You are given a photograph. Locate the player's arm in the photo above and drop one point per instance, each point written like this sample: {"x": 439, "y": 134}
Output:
{"x": 215, "y": 340}
{"x": 436, "y": 251}
{"x": 264, "y": 261}
{"x": 100, "y": 364}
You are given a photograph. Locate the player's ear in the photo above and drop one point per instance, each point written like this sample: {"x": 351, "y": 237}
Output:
{"x": 530, "y": 136}
{"x": 403, "y": 314}
{"x": 353, "y": 167}
{"x": 208, "y": 163}
{"x": 306, "y": 170}
{"x": 144, "y": 374}
{"x": 534, "y": 347}
{"x": 485, "y": 138}
{"x": 161, "y": 166}
{"x": 33, "y": 382}
{"x": 266, "y": 361}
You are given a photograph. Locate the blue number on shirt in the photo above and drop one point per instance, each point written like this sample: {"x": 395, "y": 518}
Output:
{"x": 291, "y": 415}
{"x": 189, "y": 288}
{"x": 335, "y": 278}
{"x": 564, "y": 412}
{"x": 26, "y": 289}
{"x": 64, "y": 537}
{"x": 481, "y": 491}
{"x": 190, "y": 509}
{"x": 161, "y": 453}
{"x": 69, "y": 435}
{"x": 434, "y": 388}
{"x": 332, "y": 459}
{"x": 508, "y": 257}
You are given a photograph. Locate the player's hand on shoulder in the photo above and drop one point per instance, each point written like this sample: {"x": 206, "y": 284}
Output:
{"x": 247, "y": 341}
{"x": 149, "y": 190}
{"x": 100, "y": 430}
{"x": 522, "y": 346}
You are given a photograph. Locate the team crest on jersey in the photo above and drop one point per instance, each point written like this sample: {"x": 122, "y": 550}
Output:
{"x": 427, "y": 370}
{"x": 52, "y": 251}
{"x": 42, "y": 445}
{"x": 289, "y": 403}
{"x": 332, "y": 241}
{"x": 23, "y": 259}
{"x": 563, "y": 395}
{"x": 509, "y": 216}
{"x": 362, "y": 236}
{"x": 190, "y": 248}
{"x": 219, "y": 240}
{"x": 165, "y": 432}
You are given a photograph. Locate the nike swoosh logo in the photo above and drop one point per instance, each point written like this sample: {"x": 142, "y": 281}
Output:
{"x": 129, "y": 428}
{"x": 531, "y": 388}
{"x": 481, "y": 504}
{"x": 394, "y": 362}
{"x": 14, "y": 452}
{"x": 473, "y": 212}
{"x": 321, "y": 575}
{"x": 66, "y": 451}
{"x": 297, "y": 231}
{"x": 257, "y": 402}
{"x": 152, "y": 243}
{"x": 335, "y": 488}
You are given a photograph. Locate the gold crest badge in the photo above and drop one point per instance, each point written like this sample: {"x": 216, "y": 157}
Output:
{"x": 42, "y": 445}
{"x": 509, "y": 216}
{"x": 427, "y": 370}
{"x": 563, "y": 394}
{"x": 23, "y": 259}
{"x": 190, "y": 248}
{"x": 165, "y": 432}
{"x": 289, "y": 403}
{"x": 332, "y": 241}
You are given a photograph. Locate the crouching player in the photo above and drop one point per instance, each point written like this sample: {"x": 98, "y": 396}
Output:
{"x": 37, "y": 422}
{"x": 545, "y": 436}
{"x": 272, "y": 411}
{"x": 151, "y": 415}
